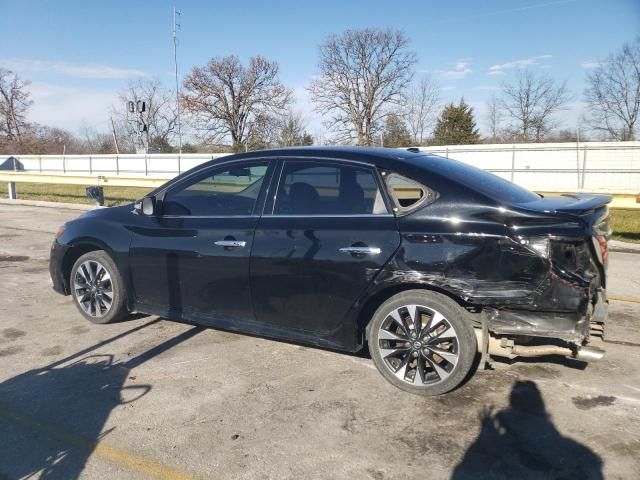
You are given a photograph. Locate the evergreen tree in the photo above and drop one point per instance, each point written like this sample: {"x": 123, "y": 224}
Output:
{"x": 456, "y": 126}
{"x": 396, "y": 133}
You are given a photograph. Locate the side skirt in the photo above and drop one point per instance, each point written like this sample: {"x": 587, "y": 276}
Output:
{"x": 246, "y": 327}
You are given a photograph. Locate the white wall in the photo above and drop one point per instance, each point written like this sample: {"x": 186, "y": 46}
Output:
{"x": 612, "y": 167}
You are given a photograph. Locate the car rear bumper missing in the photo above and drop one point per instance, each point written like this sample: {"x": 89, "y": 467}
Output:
{"x": 575, "y": 327}
{"x": 509, "y": 332}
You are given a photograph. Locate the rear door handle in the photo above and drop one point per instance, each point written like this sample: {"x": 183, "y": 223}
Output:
{"x": 361, "y": 250}
{"x": 231, "y": 243}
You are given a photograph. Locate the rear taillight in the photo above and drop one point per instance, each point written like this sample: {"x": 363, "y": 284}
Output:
{"x": 538, "y": 245}
{"x": 602, "y": 248}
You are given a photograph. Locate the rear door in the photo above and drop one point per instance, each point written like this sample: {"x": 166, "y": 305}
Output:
{"x": 320, "y": 242}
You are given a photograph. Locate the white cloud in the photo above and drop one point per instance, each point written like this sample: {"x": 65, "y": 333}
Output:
{"x": 87, "y": 70}
{"x": 591, "y": 64}
{"x": 461, "y": 68}
{"x": 500, "y": 69}
{"x": 70, "y": 108}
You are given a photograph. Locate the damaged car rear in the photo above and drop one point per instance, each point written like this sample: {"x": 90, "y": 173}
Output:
{"x": 529, "y": 271}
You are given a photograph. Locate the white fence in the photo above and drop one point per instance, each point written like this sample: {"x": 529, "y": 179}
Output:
{"x": 129, "y": 165}
{"x": 612, "y": 167}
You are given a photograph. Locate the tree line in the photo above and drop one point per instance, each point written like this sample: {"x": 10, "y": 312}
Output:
{"x": 366, "y": 91}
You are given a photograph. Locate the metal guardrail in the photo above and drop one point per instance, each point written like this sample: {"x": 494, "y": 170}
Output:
{"x": 100, "y": 180}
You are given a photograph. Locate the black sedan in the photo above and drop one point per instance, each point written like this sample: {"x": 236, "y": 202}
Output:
{"x": 427, "y": 261}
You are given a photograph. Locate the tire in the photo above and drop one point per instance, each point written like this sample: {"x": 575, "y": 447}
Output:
{"x": 429, "y": 357}
{"x": 95, "y": 277}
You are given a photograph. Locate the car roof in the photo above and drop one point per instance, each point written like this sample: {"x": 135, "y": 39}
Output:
{"x": 387, "y": 157}
{"x": 395, "y": 159}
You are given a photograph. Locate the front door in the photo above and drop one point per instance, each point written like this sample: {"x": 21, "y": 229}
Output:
{"x": 193, "y": 259}
{"x": 326, "y": 236}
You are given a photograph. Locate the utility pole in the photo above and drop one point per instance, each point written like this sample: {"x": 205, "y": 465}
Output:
{"x": 175, "y": 64}
{"x": 115, "y": 138}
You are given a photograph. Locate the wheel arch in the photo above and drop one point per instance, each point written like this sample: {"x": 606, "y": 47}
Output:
{"x": 76, "y": 250}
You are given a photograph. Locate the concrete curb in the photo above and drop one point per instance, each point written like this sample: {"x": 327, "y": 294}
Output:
{"x": 40, "y": 203}
{"x": 623, "y": 247}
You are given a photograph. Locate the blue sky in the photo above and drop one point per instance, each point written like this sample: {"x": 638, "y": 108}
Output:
{"x": 79, "y": 54}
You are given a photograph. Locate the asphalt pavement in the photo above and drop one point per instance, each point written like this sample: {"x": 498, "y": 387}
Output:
{"x": 152, "y": 398}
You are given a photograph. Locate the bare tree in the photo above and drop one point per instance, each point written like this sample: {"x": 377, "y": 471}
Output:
{"x": 613, "y": 93}
{"x": 531, "y": 102}
{"x": 293, "y": 131}
{"x": 362, "y": 74}
{"x": 160, "y": 115}
{"x": 422, "y": 108}
{"x": 14, "y": 103}
{"x": 226, "y": 98}
{"x": 494, "y": 118}
{"x": 96, "y": 142}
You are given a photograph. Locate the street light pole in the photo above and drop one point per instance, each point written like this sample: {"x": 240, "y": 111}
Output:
{"x": 175, "y": 64}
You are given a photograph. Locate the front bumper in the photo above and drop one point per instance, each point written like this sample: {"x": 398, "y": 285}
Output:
{"x": 56, "y": 268}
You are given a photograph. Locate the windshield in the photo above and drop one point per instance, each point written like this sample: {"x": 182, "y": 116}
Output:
{"x": 491, "y": 185}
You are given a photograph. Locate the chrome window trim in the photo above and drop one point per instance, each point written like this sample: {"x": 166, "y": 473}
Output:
{"x": 209, "y": 216}
{"x": 346, "y": 215}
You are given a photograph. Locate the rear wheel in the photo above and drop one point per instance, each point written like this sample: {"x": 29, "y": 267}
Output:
{"x": 97, "y": 288}
{"x": 421, "y": 342}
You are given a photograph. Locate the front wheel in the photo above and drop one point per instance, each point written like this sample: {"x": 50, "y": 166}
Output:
{"x": 421, "y": 342}
{"x": 97, "y": 288}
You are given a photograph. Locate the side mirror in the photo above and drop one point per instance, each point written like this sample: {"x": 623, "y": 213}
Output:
{"x": 146, "y": 206}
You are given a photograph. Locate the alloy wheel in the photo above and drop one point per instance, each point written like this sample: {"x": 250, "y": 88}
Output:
{"x": 93, "y": 288}
{"x": 418, "y": 345}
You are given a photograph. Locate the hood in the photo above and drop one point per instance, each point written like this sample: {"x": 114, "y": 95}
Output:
{"x": 107, "y": 211}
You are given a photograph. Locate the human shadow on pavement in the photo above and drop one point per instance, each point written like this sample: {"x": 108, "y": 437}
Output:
{"x": 52, "y": 418}
{"x": 521, "y": 442}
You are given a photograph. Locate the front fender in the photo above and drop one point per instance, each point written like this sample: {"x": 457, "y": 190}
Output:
{"x": 87, "y": 233}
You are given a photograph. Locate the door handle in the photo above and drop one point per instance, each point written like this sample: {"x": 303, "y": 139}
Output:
{"x": 361, "y": 250}
{"x": 231, "y": 243}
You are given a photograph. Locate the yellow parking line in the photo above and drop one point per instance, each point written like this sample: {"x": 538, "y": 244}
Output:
{"x": 621, "y": 298}
{"x": 118, "y": 456}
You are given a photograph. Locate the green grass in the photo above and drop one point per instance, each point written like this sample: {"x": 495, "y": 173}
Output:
{"x": 625, "y": 223}
{"x": 73, "y": 193}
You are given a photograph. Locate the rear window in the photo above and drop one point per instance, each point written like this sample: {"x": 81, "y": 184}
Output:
{"x": 484, "y": 182}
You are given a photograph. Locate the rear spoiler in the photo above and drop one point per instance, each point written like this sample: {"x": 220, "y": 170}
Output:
{"x": 584, "y": 202}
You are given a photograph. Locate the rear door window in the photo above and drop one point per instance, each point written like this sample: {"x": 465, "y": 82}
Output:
{"x": 315, "y": 188}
